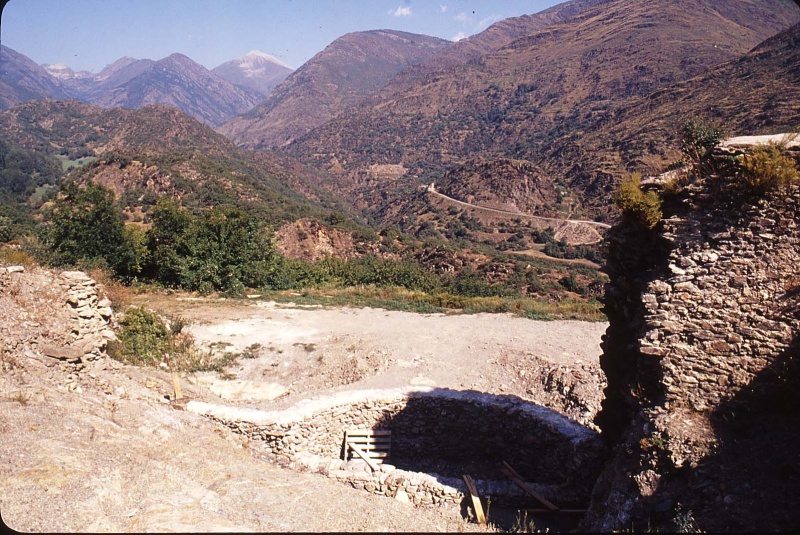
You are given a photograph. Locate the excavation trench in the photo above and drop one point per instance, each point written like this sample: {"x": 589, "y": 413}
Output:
{"x": 437, "y": 436}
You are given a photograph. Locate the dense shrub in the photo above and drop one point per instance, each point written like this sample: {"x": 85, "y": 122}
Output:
{"x": 224, "y": 249}
{"x": 642, "y": 207}
{"x": 766, "y": 168}
{"x": 143, "y": 338}
{"x": 146, "y": 339}
{"x": 698, "y": 136}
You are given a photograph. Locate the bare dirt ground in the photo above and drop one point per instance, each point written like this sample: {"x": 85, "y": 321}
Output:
{"x": 100, "y": 449}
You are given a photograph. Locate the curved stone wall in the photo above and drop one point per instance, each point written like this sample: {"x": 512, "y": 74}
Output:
{"x": 437, "y": 436}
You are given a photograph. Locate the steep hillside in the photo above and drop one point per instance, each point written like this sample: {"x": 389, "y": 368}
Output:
{"x": 510, "y": 185}
{"x": 555, "y": 83}
{"x": 348, "y": 70}
{"x": 157, "y": 150}
{"x": 750, "y": 95}
{"x": 21, "y": 79}
{"x": 256, "y": 70}
{"x": 490, "y": 40}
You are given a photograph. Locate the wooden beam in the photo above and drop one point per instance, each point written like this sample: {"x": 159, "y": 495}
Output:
{"x": 476, "y": 500}
{"x": 556, "y": 512}
{"x": 364, "y": 456}
{"x": 176, "y": 386}
{"x": 368, "y": 432}
{"x": 516, "y": 478}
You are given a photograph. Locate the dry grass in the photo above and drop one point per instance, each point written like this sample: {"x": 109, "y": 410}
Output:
{"x": 120, "y": 295}
{"x": 12, "y": 256}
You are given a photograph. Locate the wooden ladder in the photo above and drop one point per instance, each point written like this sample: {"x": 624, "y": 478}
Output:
{"x": 372, "y": 445}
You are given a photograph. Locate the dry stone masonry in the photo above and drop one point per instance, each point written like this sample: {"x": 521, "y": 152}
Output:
{"x": 437, "y": 436}
{"x": 704, "y": 317}
{"x": 54, "y": 317}
{"x": 91, "y": 315}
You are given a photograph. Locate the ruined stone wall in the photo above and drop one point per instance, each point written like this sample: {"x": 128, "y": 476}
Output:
{"x": 61, "y": 317}
{"x": 720, "y": 315}
{"x": 703, "y": 313}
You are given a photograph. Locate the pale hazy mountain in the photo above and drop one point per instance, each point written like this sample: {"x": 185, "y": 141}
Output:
{"x": 255, "y": 70}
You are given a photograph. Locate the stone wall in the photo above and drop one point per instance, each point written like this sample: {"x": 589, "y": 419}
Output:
{"x": 443, "y": 433}
{"x": 59, "y": 316}
{"x": 90, "y": 313}
{"x": 704, "y": 319}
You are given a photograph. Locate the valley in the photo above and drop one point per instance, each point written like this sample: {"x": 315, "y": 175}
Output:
{"x": 567, "y": 242}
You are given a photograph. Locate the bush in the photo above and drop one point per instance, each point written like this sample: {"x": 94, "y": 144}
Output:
{"x": 223, "y": 249}
{"x": 766, "y": 168}
{"x": 645, "y": 208}
{"x": 87, "y": 227}
{"x": 698, "y": 136}
{"x": 143, "y": 338}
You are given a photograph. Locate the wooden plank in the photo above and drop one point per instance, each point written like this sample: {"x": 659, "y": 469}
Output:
{"x": 556, "y": 512}
{"x": 375, "y": 454}
{"x": 176, "y": 386}
{"x": 377, "y": 445}
{"x": 368, "y": 432}
{"x": 516, "y": 478}
{"x": 476, "y": 500}
{"x": 364, "y": 456}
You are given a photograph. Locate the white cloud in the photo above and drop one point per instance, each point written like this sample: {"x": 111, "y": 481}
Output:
{"x": 401, "y": 12}
{"x": 442, "y": 8}
{"x": 459, "y": 36}
{"x": 462, "y": 17}
{"x": 488, "y": 21}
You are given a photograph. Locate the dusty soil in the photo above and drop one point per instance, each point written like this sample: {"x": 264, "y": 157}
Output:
{"x": 99, "y": 448}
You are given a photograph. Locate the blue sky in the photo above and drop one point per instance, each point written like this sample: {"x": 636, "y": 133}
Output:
{"x": 90, "y": 34}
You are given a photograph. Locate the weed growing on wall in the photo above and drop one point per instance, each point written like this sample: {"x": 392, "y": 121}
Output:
{"x": 765, "y": 168}
{"x": 642, "y": 207}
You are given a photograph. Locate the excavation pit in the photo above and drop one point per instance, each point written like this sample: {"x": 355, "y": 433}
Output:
{"x": 437, "y": 436}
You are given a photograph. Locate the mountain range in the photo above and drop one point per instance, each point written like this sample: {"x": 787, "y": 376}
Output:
{"x": 209, "y": 96}
{"x": 534, "y": 98}
{"x": 566, "y": 101}
{"x": 336, "y": 79}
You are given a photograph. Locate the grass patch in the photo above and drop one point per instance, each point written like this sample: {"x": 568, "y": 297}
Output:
{"x": 16, "y": 257}
{"x": 146, "y": 339}
{"x": 68, "y": 165}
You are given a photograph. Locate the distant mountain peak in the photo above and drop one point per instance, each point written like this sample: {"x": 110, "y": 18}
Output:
{"x": 60, "y": 71}
{"x": 255, "y": 70}
{"x": 256, "y": 55}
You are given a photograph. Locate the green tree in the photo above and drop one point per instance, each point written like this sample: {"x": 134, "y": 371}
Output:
{"x": 167, "y": 243}
{"x": 223, "y": 249}
{"x": 86, "y": 224}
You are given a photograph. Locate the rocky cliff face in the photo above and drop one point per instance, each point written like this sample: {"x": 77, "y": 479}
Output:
{"x": 701, "y": 362}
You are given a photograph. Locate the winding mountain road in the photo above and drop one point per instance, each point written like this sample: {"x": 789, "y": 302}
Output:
{"x": 432, "y": 189}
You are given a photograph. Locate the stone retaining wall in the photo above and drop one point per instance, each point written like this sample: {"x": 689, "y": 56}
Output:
{"x": 718, "y": 318}
{"x": 441, "y": 432}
